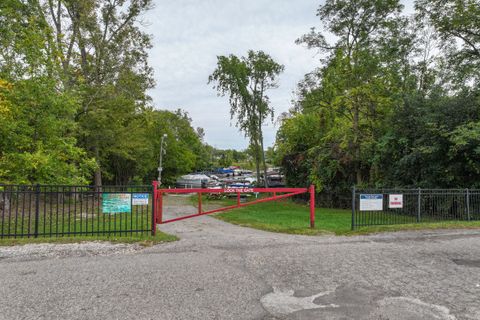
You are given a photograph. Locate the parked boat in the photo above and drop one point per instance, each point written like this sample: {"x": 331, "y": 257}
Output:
{"x": 275, "y": 180}
{"x": 194, "y": 181}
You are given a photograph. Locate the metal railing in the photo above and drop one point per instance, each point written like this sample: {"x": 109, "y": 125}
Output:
{"x": 63, "y": 210}
{"x": 372, "y": 207}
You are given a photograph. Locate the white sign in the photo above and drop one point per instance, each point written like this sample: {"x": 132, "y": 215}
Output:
{"x": 240, "y": 189}
{"x": 140, "y": 199}
{"x": 371, "y": 202}
{"x": 395, "y": 201}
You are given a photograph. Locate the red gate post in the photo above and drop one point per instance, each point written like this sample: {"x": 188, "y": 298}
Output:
{"x": 154, "y": 208}
{"x": 312, "y": 206}
{"x": 160, "y": 207}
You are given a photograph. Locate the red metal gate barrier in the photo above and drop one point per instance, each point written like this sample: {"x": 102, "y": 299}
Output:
{"x": 285, "y": 193}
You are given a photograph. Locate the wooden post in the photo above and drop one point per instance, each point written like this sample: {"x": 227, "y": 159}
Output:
{"x": 199, "y": 202}
{"x": 312, "y": 206}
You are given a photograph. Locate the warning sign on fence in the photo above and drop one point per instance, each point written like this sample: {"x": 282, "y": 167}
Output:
{"x": 395, "y": 201}
{"x": 140, "y": 199}
{"x": 371, "y": 202}
{"x": 116, "y": 202}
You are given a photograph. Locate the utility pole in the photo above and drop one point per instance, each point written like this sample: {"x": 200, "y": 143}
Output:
{"x": 162, "y": 152}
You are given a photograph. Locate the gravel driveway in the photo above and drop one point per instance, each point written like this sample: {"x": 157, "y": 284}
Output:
{"x": 222, "y": 271}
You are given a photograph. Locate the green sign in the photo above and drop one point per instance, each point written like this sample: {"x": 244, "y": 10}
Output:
{"x": 116, "y": 202}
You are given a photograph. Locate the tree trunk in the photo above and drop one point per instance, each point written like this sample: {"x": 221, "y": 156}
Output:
{"x": 5, "y": 204}
{"x": 260, "y": 135}
{"x": 257, "y": 161}
{"x": 356, "y": 145}
{"x": 98, "y": 172}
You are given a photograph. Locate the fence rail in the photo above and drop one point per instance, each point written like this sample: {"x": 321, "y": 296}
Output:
{"x": 372, "y": 207}
{"x": 63, "y": 210}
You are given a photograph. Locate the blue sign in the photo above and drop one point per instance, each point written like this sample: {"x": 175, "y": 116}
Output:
{"x": 140, "y": 199}
{"x": 371, "y": 196}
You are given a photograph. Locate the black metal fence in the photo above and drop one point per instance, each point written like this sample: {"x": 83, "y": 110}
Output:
{"x": 61, "y": 210}
{"x": 404, "y": 206}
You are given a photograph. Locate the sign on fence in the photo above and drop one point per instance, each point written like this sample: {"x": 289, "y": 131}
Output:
{"x": 395, "y": 201}
{"x": 371, "y": 202}
{"x": 140, "y": 199}
{"x": 241, "y": 190}
{"x": 116, "y": 202}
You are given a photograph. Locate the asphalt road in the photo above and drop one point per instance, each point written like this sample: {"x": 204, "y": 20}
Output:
{"x": 221, "y": 271}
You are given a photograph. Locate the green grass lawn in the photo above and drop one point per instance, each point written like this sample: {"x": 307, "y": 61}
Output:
{"x": 67, "y": 221}
{"x": 73, "y": 226}
{"x": 289, "y": 217}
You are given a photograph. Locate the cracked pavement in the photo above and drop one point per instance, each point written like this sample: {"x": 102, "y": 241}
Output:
{"x": 221, "y": 271}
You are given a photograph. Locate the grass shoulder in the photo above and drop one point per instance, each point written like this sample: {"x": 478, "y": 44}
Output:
{"x": 289, "y": 217}
{"x": 417, "y": 226}
{"x": 143, "y": 240}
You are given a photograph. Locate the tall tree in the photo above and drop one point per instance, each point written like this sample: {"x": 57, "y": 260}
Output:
{"x": 103, "y": 54}
{"x": 395, "y": 102}
{"x": 38, "y": 137}
{"x": 457, "y": 23}
{"x": 73, "y": 82}
{"x": 350, "y": 95}
{"x": 246, "y": 80}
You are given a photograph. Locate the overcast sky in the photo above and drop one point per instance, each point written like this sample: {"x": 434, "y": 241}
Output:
{"x": 188, "y": 35}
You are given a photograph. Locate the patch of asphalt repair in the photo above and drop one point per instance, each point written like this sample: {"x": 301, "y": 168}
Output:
{"x": 468, "y": 263}
{"x": 221, "y": 271}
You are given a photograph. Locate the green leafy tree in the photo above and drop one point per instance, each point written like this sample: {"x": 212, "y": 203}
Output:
{"x": 246, "y": 81}
{"x": 93, "y": 51}
{"x": 457, "y": 25}
{"x": 40, "y": 146}
{"x": 185, "y": 152}
{"x": 355, "y": 89}
{"x": 38, "y": 137}
{"x": 73, "y": 82}
{"x": 395, "y": 102}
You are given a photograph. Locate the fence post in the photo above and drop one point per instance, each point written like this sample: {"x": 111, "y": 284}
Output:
{"x": 154, "y": 208}
{"x": 468, "y": 204}
{"x": 312, "y": 206}
{"x": 160, "y": 207}
{"x": 419, "y": 216}
{"x": 199, "y": 203}
{"x": 37, "y": 209}
{"x": 353, "y": 207}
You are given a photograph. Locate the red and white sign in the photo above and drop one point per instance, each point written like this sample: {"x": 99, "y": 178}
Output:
{"x": 395, "y": 201}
